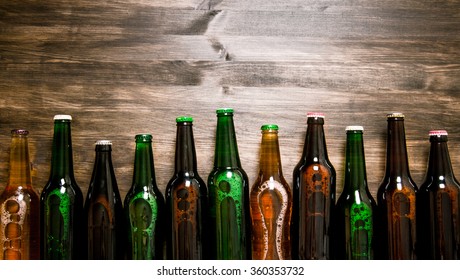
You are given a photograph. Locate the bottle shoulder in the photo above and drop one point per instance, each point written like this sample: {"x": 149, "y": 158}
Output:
{"x": 393, "y": 184}
{"x": 440, "y": 183}
{"x": 227, "y": 172}
{"x": 29, "y": 192}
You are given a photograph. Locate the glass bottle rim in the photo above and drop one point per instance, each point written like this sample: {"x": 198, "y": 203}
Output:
{"x": 144, "y": 137}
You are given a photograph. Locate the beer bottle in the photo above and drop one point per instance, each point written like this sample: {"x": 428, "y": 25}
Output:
{"x": 186, "y": 198}
{"x": 228, "y": 196}
{"x": 144, "y": 206}
{"x": 313, "y": 196}
{"x": 355, "y": 206}
{"x": 396, "y": 198}
{"x": 20, "y": 205}
{"x": 438, "y": 232}
{"x": 104, "y": 208}
{"x": 271, "y": 203}
{"x": 61, "y": 201}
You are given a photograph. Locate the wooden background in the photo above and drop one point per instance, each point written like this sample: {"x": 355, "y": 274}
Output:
{"x": 124, "y": 67}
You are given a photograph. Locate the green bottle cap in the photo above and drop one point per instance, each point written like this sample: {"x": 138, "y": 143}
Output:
{"x": 223, "y": 111}
{"x": 269, "y": 127}
{"x": 184, "y": 119}
{"x": 145, "y": 137}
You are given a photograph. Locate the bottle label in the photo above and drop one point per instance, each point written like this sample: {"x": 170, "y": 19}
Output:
{"x": 13, "y": 232}
{"x": 143, "y": 216}
{"x": 226, "y": 196}
{"x": 273, "y": 228}
{"x": 361, "y": 227}
{"x": 57, "y": 229}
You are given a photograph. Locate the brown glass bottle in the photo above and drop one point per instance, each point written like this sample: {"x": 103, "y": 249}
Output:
{"x": 396, "y": 216}
{"x": 271, "y": 203}
{"x": 186, "y": 200}
{"x": 20, "y": 205}
{"x": 104, "y": 208}
{"x": 313, "y": 196}
{"x": 438, "y": 225}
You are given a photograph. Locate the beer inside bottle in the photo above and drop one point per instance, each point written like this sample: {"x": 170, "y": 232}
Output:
{"x": 186, "y": 198}
{"x": 271, "y": 203}
{"x": 313, "y": 196}
{"x": 396, "y": 198}
{"x": 438, "y": 227}
{"x": 144, "y": 206}
{"x": 61, "y": 201}
{"x": 355, "y": 207}
{"x": 104, "y": 209}
{"x": 228, "y": 195}
{"x": 20, "y": 205}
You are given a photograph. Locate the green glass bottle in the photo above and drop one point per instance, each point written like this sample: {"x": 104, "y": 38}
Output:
{"x": 61, "y": 201}
{"x": 355, "y": 207}
{"x": 186, "y": 200}
{"x": 228, "y": 195}
{"x": 19, "y": 205}
{"x": 144, "y": 206}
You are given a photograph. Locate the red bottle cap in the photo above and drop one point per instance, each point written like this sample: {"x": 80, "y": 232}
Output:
{"x": 439, "y": 132}
{"x": 315, "y": 115}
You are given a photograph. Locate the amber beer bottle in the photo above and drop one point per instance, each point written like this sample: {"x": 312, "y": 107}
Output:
{"x": 355, "y": 207}
{"x": 271, "y": 203}
{"x": 20, "y": 205}
{"x": 313, "y": 196}
{"x": 61, "y": 201}
{"x": 144, "y": 206}
{"x": 438, "y": 227}
{"x": 186, "y": 199}
{"x": 228, "y": 196}
{"x": 104, "y": 208}
{"x": 396, "y": 198}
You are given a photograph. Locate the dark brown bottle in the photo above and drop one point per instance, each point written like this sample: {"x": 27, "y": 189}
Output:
{"x": 438, "y": 225}
{"x": 313, "y": 196}
{"x": 271, "y": 203}
{"x": 104, "y": 209}
{"x": 186, "y": 198}
{"x": 396, "y": 220}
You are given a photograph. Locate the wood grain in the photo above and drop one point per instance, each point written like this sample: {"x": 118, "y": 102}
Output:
{"x": 127, "y": 67}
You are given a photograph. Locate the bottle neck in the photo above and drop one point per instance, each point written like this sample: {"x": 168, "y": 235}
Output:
{"x": 270, "y": 159}
{"x": 144, "y": 174}
{"x": 439, "y": 163}
{"x": 61, "y": 158}
{"x": 185, "y": 157}
{"x": 226, "y": 151}
{"x": 397, "y": 162}
{"x": 19, "y": 173}
{"x": 355, "y": 166}
{"x": 315, "y": 143}
{"x": 103, "y": 167}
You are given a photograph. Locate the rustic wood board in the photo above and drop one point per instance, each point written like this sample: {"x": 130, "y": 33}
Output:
{"x": 127, "y": 67}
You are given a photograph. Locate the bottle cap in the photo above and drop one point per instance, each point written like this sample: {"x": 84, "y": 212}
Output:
{"x": 315, "y": 115}
{"x": 224, "y": 111}
{"x": 104, "y": 143}
{"x": 354, "y": 128}
{"x": 63, "y": 117}
{"x": 440, "y": 132}
{"x": 269, "y": 127}
{"x": 395, "y": 115}
{"x": 144, "y": 137}
{"x": 19, "y": 132}
{"x": 184, "y": 119}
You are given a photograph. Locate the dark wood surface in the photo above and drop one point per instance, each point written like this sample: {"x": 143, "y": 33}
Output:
{"x": 127, "y": 67}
